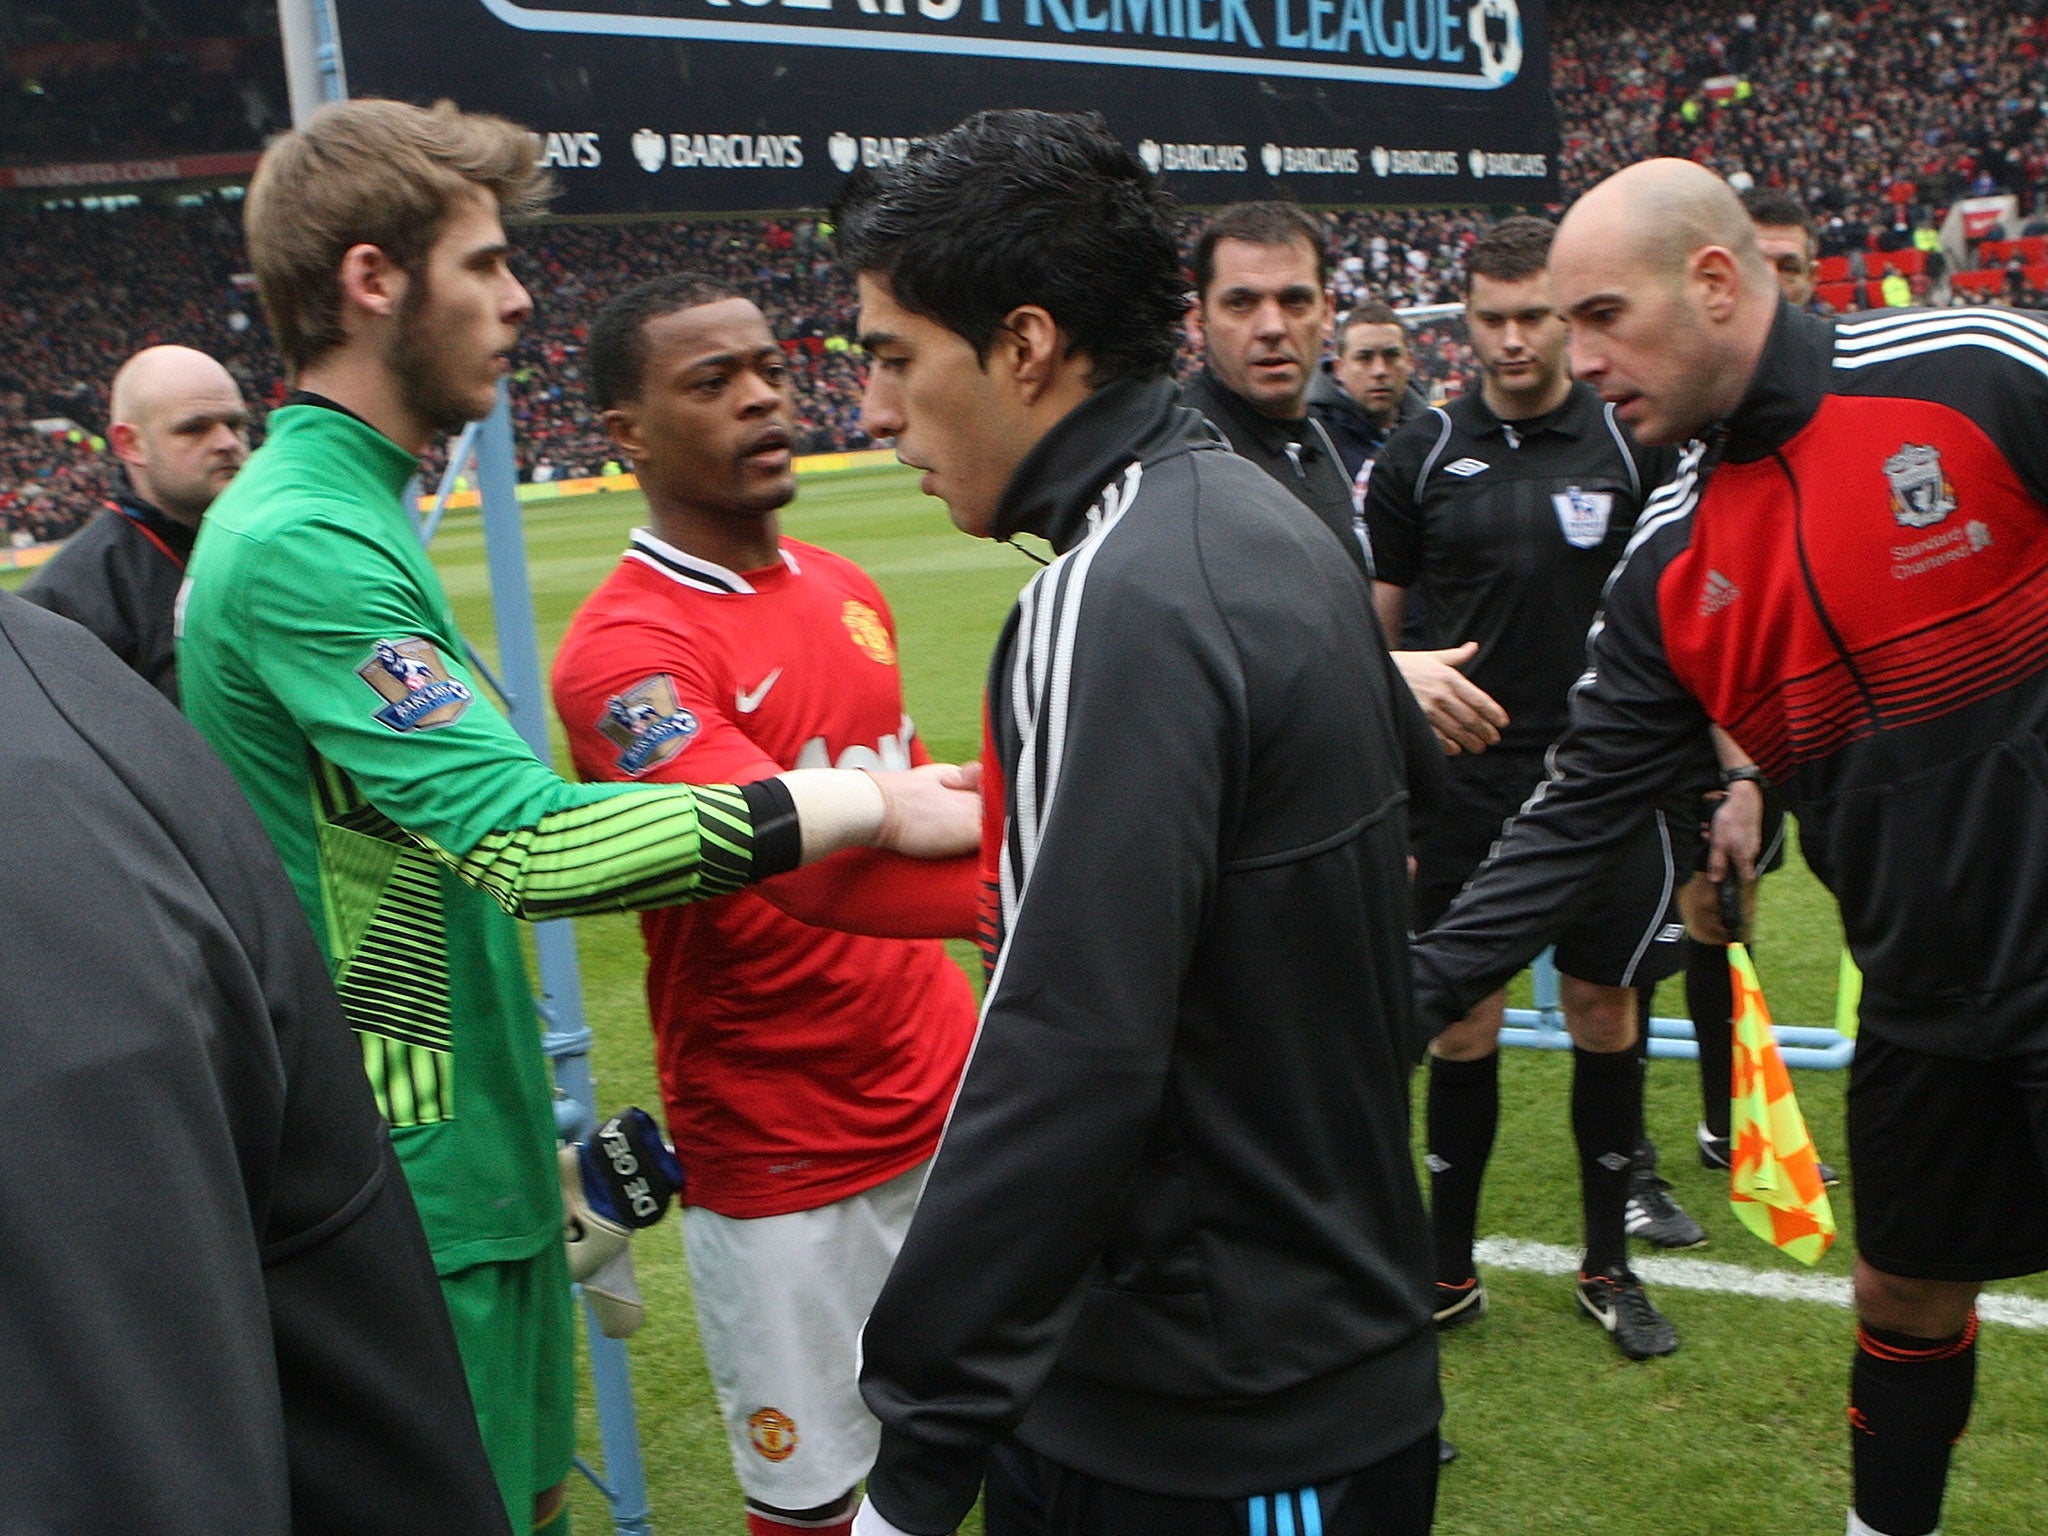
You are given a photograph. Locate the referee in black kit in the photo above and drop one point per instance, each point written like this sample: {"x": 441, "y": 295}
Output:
{"x": 1510, "y": 506}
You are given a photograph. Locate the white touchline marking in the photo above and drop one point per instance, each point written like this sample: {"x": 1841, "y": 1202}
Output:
{"x": 1733, "y": 1279}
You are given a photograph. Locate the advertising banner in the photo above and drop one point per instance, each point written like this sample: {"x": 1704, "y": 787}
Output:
{"x": 657, "y": 106}
{"x": 114, "y": 173}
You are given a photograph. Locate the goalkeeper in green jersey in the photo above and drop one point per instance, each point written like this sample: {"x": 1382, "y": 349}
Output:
{"x": 319, "y": 656}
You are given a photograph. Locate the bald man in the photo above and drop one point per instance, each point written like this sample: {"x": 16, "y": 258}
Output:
{"x": 1850, "y": 576}
{"x": 180, "y": 430}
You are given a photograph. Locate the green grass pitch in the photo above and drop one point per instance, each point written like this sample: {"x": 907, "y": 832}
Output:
{"x": 1741, "y": 1433}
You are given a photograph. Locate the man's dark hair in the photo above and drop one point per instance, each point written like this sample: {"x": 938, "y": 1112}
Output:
{"x": 1373, "y": 313}
{"x": 1774, "y": 205}
{"x": 616, "y": 357}
{"x": 1019, "y": 207}
{"x": 1512, "y": 251}
{"x": 1271, "y": 223}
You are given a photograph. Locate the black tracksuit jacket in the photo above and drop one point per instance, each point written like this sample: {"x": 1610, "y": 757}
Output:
{"x": 1172, "y": 1237}
{"x": 1300, "y": 457}
{"x": 1850, "y": 575}
{"x": 119, "y": 577}
{"x": 1298, "y": 454}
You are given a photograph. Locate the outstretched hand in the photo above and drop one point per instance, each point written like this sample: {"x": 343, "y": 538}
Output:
{"x": 933, "y": 812}
{"x": 1463, "y": 715}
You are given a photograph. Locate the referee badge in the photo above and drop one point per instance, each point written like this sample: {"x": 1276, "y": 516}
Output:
{"x": 647, "y": 723}
{"x": 1583, "y": 515}
{"x": 413, "y": 681}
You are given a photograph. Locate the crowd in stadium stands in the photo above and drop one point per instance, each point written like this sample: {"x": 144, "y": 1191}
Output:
{"x": 1876, "y": 113}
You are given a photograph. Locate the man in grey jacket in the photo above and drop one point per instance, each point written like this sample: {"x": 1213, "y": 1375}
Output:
{"x": 220, "y": 1310}
{"x": 1363, "y": 392}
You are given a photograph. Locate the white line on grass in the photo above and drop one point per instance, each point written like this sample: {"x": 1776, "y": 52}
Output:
{"x": 1733, "y": 1279}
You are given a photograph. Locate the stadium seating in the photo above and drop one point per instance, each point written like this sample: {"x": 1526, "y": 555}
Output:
{"x": 1944, "y": 79}
{"x": 1975, "y": 287}
{"x": 1839, "y": 297}
{"x": 2032, "y": 250}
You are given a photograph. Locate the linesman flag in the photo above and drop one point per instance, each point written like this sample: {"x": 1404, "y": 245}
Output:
{"x": 1774, "y": 1184}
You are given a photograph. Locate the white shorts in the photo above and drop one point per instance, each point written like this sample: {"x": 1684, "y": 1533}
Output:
{"x": 781, "y": 1301}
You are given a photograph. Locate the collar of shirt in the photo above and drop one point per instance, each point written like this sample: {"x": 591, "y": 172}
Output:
{"x": 1067, "y": 470}
{"x": 1210, "y": 394}
{"x": 1567, "y": 419}
{"x": 1791, "y": 380}
{"x": 168, "y": 535}
{"x": 307, "y": 397}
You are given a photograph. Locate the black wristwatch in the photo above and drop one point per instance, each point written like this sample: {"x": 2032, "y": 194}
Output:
{"x": 1748, "y": 773}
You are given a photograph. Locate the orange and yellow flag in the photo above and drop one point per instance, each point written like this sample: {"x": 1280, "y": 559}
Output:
{"x": 1774, "y": 1185}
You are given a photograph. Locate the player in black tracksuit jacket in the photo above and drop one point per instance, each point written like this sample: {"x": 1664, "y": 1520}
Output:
{"x": 1850, "y": 575}
{"x": 1300, "y": 456}
{"x": 1169, "y": 1276}
{"x": 1172, "y": 1237}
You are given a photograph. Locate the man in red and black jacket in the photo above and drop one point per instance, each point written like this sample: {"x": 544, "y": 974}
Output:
{"x": 1850, "y": 576}
{"x": 180, "y": 430}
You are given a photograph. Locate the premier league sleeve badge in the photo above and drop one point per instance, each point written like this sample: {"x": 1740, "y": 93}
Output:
{"x": 647, "y": 723}
{"x": 413, "y": 681}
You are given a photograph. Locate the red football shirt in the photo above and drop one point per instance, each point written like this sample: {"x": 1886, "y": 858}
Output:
{"x": 808, "y": 1044}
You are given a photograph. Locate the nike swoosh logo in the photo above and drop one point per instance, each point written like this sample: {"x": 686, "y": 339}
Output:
{"x": 749, "y": 702}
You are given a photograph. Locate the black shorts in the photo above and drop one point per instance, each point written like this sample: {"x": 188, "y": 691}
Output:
{"x": 1627, "y": 934}
{"x": 1950, "y": 1162}
{"x": 1027, "y": 1495}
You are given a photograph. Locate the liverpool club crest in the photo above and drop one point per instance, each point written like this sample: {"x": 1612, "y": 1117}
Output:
{"x": 1921, "y": 494}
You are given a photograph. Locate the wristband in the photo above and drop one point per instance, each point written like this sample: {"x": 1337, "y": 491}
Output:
{"x": 1748, "y": 773}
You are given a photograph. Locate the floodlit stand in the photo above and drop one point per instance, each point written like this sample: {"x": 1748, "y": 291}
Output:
{"x": 313, "y": 71}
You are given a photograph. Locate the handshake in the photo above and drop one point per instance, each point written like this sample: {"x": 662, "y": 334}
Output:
{"x": 612, "y": 1185}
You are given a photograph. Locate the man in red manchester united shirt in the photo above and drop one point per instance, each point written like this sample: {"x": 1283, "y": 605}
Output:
{"x": 811, "y": 1029}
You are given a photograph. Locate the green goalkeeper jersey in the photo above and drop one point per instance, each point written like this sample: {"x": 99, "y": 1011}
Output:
{"x": 321, "y": 659}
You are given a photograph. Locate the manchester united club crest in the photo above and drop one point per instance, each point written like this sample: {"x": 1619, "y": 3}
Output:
{"x": 413, "y": 681}
{"x": 868, "y": 631}
{"x": 1583, "y": 515}
{"x": 647, "y": 723}
{"x": 772, "y": 1434}
{"x": 1921, "y": 493}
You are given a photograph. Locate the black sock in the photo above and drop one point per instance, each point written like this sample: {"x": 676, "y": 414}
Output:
{"x": 1909, "y": 1400}
{"x": 1710, "y": 999}
{"x": 1464, "y": 1111}
{"x": 1607, "y": 1123}
{"x": 1646, "y": 1150}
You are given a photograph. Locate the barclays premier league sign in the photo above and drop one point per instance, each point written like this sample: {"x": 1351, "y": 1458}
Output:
{"x": 655, "y": 106}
